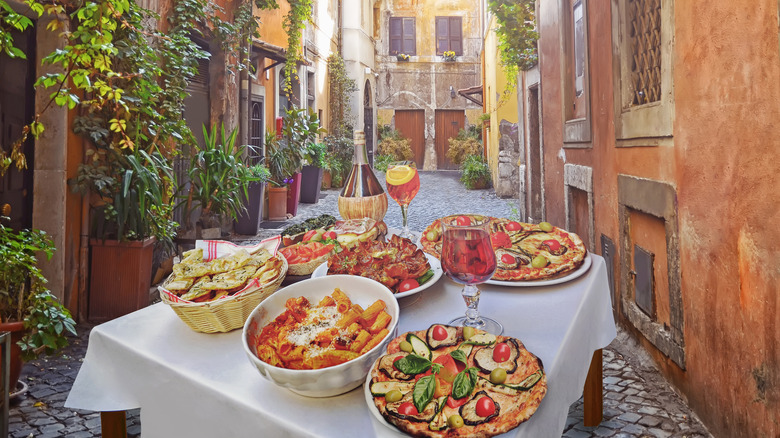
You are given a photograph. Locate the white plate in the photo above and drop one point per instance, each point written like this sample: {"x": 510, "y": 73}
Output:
{"x": 385, "y": 429}
{"x": 322, "y": 270}
{"x": 532, "y": 283}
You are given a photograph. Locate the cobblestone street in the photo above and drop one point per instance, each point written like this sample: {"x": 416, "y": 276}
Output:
{"x": 637, "y": 400}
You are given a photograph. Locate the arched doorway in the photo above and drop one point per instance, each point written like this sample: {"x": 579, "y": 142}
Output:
{"x": 368, "y": 122}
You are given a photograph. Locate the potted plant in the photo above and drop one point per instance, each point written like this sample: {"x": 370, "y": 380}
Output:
{"x": 402, "y": 57}
{"x": 281, "y": 166}
{"x": 219, "y": 181}
{"x": 38, "y": 322}
{"x": 338, "y": 161}
{"x": 449, "y": 56}
{"x": 475, "y": 173}
{"x": 299, "y": 129}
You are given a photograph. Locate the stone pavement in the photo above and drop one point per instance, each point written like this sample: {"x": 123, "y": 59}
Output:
{"x": 637, "y": 400}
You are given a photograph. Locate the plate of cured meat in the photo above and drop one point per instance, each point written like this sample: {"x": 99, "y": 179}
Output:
{"x": 398, "y": 263}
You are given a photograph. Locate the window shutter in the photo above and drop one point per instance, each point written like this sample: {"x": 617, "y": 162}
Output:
{"x": 442, "y": 41}
{"x": 409, "y": 43}
{"x": 456, "y": 35}
{"x": 395, "y": 35}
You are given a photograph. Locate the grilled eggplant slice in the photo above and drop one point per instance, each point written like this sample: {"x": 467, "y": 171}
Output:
{"x": 483, "y": 358}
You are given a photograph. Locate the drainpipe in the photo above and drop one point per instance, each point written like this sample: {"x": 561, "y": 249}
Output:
{"x": 84, "y": 246}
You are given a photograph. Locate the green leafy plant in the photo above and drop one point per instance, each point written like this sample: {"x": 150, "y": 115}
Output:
{"x": 341, "y": 88}
{"x": 464, "y": 144}
{"x": 381, "y": 161}
{"x": 279, "y": 161}
{"x": 300, "y": 128}
{"x": 315, "y": 153}
{"x": 339, "y": 159}
{"x": 517, "y": 36}
{"x": 24, "y": 296}
{"x": 475, "y": 172}
{"x": 217, "y": 172}
{"x": 294, "y": 22}
{"x": 449, "y": 55}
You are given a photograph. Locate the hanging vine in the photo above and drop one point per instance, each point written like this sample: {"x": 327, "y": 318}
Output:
{"x": 341, "y": 89}
{"x": 517, "y": 36}
{"x": 294, "y": 22}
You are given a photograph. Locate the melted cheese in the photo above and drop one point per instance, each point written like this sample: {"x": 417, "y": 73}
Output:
{"x": 317, "y": 320}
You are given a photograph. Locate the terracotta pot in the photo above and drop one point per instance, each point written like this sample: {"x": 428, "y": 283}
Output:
{"x": 277, "y": 203}
{"x": 120, "y": 277}
{"x": 326, "y": 177}
{"x": 17, "y": 331}
{"x": 294, "y": 194}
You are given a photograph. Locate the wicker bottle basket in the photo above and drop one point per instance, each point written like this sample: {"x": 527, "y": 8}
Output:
{"x": 225, "y": 314}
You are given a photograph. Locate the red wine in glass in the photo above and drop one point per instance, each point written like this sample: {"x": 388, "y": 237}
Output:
{"x": 467, "y": 257}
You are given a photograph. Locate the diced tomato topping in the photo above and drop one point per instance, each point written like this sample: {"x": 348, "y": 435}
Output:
{"x": 329, "y": 235}
{"x": 513, "y": 226}
{"x": 449, "y": 367}
{"x": 407, "y": 408}
{"x": 501, "y": 352}
{"x": 485, "y": 406}
{"x": 309, "y": 234}
{"x": 453, "y": 403}
{"x": 439, "y": 333}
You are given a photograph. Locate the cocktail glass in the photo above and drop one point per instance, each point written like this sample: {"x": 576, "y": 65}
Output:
{"x": 403, "y": 183}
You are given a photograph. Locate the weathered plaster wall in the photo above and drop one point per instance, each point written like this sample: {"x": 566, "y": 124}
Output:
{"x": 721, "y": 166}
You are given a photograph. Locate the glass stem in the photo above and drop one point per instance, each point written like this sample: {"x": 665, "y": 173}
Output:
{"x": 471, "y": 297}
{"x": 405, "y": 216}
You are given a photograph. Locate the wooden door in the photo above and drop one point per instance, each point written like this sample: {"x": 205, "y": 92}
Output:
{"x": 448, "y": 123}
{"x": 411, "y": 125}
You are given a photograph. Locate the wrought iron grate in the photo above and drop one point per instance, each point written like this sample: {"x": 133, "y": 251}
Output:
{"x": 644, "y": 18}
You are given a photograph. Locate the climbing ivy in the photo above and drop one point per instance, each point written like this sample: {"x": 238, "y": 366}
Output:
{"x": 517, "y": 36}
{"x": 294, "y": 22}
{"x": 340, "y": 92}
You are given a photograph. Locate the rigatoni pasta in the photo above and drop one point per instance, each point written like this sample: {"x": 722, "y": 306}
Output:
{"x": 317, "y": 336}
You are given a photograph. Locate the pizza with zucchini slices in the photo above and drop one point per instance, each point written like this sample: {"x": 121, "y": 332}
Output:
{"x": 524, "y": 252}
{"x": 456, "y": 382}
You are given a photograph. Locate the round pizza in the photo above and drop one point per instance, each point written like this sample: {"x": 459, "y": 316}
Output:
{"x": 524, "y": 251}
{"x": 456, "y": 382}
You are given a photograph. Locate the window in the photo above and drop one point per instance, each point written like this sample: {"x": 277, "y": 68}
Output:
{"x": 575, "y": 80}
{"x": 402, "y": 36}
{"x": 644, "y": 91}
{"x": 449, "y": 35}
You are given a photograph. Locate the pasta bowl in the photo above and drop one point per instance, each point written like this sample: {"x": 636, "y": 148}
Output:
{"x": 330, "y": 380}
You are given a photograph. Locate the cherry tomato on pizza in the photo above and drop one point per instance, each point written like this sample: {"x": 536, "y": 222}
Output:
{"x": 485, "y": 406}
{"x": 463, "y": 220}
{"x": 514, "y": 226}
{"x": 507, "y": 259}
{"x": 501, "y": 352}
{"x": 407, "y": 408}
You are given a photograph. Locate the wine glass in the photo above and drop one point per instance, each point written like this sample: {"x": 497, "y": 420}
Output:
{"x": 403, "y": 183}
{"x": 467, "y": 257}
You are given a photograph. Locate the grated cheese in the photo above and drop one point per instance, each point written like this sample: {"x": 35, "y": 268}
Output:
{"x": 317, "y": 321}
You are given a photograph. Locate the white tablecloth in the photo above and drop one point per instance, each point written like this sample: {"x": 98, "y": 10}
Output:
{"x": 202, "y": 385}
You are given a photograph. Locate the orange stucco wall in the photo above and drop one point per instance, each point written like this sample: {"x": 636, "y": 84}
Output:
{"x": 722, "y": 162}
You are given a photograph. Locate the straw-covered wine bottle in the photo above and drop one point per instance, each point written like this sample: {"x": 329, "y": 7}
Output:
{"x": 362, "y": 195}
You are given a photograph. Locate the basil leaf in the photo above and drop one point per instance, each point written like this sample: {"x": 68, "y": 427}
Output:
{"x": 464, "y": 383}
{"x": 459, "y": 355}
{"x": 436, "y": 367}
{"x": 412, "y": 364}
{"x": 423, "y": 392}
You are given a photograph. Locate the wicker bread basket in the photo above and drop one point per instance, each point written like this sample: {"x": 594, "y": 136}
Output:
{"x": 225, "y": 314}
